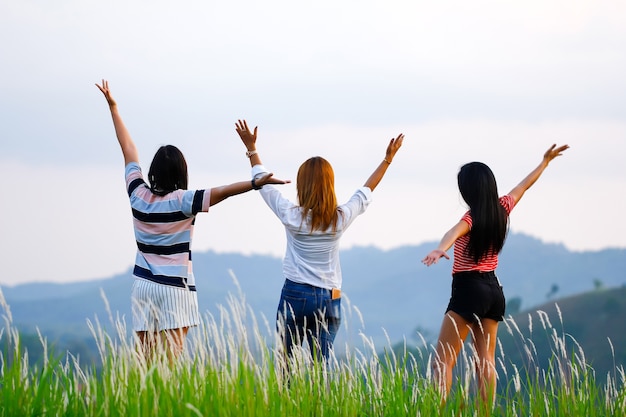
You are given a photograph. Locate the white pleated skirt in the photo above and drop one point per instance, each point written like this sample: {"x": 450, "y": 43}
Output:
{"x": 157, "y": 307}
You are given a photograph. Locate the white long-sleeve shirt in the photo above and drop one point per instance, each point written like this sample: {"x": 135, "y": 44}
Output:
{"x": 312, "y": 257}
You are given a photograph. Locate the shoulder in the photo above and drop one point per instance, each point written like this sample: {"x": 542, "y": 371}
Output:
{"x": 363, "y": 193}
{"x": 467, "y": 218}
{"x": 282, "y": 206}
{"x": 133, "y": 170}
{"x": 357, "y": 204}
{"x": 361, "y": 197}
{"x": 508, "y": 202}
{"x": 133, "y": 176}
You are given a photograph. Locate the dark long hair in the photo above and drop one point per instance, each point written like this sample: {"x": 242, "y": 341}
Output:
{"x": 490, "y": 220}
{"x": 168, "y": 171}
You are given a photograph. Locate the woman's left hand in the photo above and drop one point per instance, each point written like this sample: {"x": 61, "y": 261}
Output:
{"x": 393, "y": 147}
{"x": 434, "y": 256}
{"x": 247, "y": 137}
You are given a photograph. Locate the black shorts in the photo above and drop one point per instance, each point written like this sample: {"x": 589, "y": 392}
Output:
{"x": 477, "y": 295}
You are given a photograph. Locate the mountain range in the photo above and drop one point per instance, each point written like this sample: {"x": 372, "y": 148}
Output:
{"x": 388, "y": 295}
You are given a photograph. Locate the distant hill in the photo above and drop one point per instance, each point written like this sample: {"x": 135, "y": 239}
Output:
{"x": 393, "y": 292}
{"x": 581, "y": 329}
{"x": 592, "y": 322}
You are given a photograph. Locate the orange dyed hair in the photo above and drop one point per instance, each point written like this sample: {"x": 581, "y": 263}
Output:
{"x": 316, "y": 193}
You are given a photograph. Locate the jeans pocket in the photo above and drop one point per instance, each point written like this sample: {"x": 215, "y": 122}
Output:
{"x": 292, "y": 308}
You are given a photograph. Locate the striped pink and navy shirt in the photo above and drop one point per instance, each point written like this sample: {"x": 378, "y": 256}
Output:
{"x": 163, "y": 230}
{"x": 488, "y": 263}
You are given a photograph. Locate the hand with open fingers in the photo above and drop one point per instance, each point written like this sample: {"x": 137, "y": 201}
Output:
{"x": 434, "y": 256}
{"x": 269, "y": 179}
{"x": 553, "y": 152}
{"x": 107, "y": 92}
{"x": 247, "y": 137}
{"x": 393, "y": 147}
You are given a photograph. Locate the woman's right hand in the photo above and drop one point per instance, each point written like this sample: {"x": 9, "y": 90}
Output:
{"x": 434, "y": 256}
{"x": 107, "y": 92}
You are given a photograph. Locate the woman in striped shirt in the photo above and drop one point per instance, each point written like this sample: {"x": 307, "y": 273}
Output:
{"x": 477, "y": 302}
{"x": 164, "y": 300}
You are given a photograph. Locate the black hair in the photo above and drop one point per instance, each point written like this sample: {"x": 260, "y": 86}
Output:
{"x": 490, "y": 220}
{"x": 168, "y": 171}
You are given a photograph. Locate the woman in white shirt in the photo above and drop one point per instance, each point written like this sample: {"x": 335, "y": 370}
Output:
{"x": 310, "y": 302}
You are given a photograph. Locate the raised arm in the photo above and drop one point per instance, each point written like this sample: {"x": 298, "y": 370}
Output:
{"x": 129, "y": 150}
{"x": 249, "y": 140}
{"x": 381, "y": 169}
{"x": 458, "y": 230}
{"x": 534, "y": 175}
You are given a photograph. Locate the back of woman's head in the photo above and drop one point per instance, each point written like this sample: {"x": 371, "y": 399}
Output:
{"x": 316, "y": 193}
{"x": 168, "y": 171}
{"x": 478, "y": 188}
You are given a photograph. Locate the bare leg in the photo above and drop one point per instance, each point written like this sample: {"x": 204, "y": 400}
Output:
{"x": 484, "y": 339}
{"x": 147, "y": 344}
{"x": 171, "y": 341}
{"x": 454, "y": 330}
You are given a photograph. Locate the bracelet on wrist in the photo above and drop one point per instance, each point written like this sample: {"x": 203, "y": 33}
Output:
{"x": 250, "y": 153}
{"x": 386, "y": 160}
{"x": 254, "y": 185}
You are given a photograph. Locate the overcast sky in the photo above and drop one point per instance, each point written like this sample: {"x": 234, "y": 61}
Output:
{"x": 484, "y": 80}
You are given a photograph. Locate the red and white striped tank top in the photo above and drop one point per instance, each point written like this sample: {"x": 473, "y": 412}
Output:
{"x": 489, "y": 262}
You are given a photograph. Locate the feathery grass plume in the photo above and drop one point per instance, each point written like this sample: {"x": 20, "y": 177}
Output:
{"x": 502, "y": 358}
{"x": 515, "y": 326}
{"x": 229, "y": 367}
{"x": 516, "y": 379}
{"x": 8, "y": 317}
{"x": 424, "y": 343}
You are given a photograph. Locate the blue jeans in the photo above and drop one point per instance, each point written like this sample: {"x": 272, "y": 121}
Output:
{"x": 306, "y": 311}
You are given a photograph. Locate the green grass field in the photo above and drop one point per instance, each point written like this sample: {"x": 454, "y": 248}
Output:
{"x": 230, "y": 368}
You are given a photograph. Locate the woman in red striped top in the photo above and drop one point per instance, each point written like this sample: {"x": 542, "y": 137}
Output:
{"x": 477, "y": 301}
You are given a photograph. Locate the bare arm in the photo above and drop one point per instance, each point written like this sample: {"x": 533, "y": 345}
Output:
{"x": 222, "y": 193}
{"x": 458, "y": 230}
{"x": 129, "y": 150}
{"x": 249, "y": 140}
{"x": 534, "y": 175}
{"x": 378, "y": 174}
